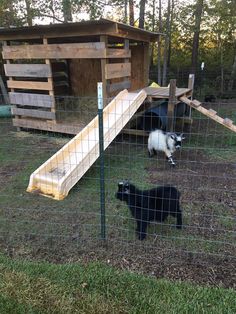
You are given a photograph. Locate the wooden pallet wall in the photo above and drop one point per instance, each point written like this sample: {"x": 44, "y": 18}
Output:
{"x": 33, "y": 84}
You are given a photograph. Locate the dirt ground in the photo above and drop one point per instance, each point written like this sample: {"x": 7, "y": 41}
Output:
{"x": 204, "y": 252}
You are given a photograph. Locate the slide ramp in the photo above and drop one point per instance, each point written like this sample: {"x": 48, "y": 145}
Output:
{"x": 63, "y": 170}
{"x": 212, "y": 114}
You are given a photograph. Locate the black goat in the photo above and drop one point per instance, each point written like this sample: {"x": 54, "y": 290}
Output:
{"x": 155, "y": 204}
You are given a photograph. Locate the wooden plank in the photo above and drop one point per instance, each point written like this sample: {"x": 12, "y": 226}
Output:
{"x": 118, "y": 53}
{"x": 104, "y": 40}
{"x": 115, "y": 70}
{"x": 135, "y": 132}
{"x": 228, "y": 121}
{"x": 212, "y": 112}
{"x": 196, "y": 103}
{"x": 50, "y": 81}
{"x": 55, "y": 51}
{"x": 28, "y": 99}
{"x": 118, "y": 86}
{"x": 30, "y": 85}
{"x": 27, "y": 70}
{"x": 206, "y": 112}
{"x": 40, "y": 114}
{"x": 3, "y": 91}
{"x": 163, "y": 92}
{"x": 146, "y": 61}
{"x": 46, "y": 126}
{"x": 171, "y": 105}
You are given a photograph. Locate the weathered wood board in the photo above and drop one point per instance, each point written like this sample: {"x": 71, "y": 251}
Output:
{"x": 27, "y": 70}
{"x": 28, "y": 99}
{"x": 115, "y": 70}
{"x": 63, "y": 51}
{"x": 40, "y": 114}
{"x": 30, "y": 85}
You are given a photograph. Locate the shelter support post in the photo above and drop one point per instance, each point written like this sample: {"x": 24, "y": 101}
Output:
{"x": 171, "y": 105}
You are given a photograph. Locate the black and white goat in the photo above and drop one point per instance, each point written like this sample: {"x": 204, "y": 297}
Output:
{"x": 150, "y": 205}
{"x": 166, "y": 142}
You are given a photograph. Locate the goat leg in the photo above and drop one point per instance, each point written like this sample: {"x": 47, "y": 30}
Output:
{"x": 179, "y": 220}
{"x": 141, "y": 229}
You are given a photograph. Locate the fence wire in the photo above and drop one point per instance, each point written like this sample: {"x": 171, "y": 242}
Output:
{"x": 34, "y": 226}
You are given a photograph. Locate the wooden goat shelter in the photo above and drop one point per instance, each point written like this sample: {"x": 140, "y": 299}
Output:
{"x": 45, "y": 62}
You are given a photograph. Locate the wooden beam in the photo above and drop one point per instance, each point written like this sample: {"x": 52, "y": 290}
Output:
{"x": 50, "y": 81}
{"x": 116, "y": 70}
{"x": 146, "y": 61}
{"x": 10, "y": 78}
{"x": 40, "y": 114}
{"x": 171, "y": 105}
{"x": 30, "y": 85}
{"x": 34, "y": 100}
{"x": 55, "y": 51}
{"x": 104, "y": 40}
{"x": 27, "y": 70}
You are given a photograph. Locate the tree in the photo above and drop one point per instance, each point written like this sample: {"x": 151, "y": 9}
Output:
{"x": 67, "y": 10}
{"x": 198, "y": 17}
{"x": 166, "y": 45}
{"x": 131, "y": 12}
{"x": 159, "y": 45}
{"x": 142, "y": 13}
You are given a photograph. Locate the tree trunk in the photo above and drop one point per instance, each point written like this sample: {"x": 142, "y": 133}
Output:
{"x": 131, "y": 12}
{"x": 198, "y": 18}
{"x": 170, "y": 34}
{"x": 166, "y": 45}
{"x": 153, "y": 29}
{"x": 126, "y": 11}
{"x": 232, "y": 76}
{"x": 142, "y": 13}
{"x": 159, "y": 46}
{"x": 67, "y": 12}
{"x": 29, "y": 17}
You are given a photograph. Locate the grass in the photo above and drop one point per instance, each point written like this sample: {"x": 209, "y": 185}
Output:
{"x": 27, "y": 287}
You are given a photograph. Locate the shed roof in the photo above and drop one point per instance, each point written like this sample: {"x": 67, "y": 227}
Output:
{"x": 84, "y": 28}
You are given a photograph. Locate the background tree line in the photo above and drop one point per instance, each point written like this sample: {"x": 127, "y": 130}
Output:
{"x": 195, "y": 31}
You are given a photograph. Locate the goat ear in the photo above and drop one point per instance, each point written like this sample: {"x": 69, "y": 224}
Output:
{"x": 172, "y": 136}
{"x": 182, "y": 136}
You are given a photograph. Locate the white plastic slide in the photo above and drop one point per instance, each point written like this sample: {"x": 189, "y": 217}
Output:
{"x": 63, "y": 170}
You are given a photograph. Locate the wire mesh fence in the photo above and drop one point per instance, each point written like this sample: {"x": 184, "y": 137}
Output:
{"x": 38, "y": 227}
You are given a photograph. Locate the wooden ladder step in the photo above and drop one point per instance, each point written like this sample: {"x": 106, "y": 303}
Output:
{"x": 228, "y": 122}
{"x": 196, "y": 103}
{"x": 212, "y": 112}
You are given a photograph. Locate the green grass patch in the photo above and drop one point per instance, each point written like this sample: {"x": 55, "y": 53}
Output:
{"x": 96, "y": 288}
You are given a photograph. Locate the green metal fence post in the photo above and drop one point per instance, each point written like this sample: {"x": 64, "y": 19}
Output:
{"x": 101, "y": 158}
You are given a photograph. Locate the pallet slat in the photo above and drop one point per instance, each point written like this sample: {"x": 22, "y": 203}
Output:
{"x": 27, "y": 70}
{"x": 28, "y": 99}
{"x": 30, "y": 85}
{"x": 118, "y": 53}
{"x": 55, "y": 51}
{"x": 33, "y": 113}
{"x": 118, "y": 86}
{"x": 116, "y": 70}
{"x": 46, "y": 126}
